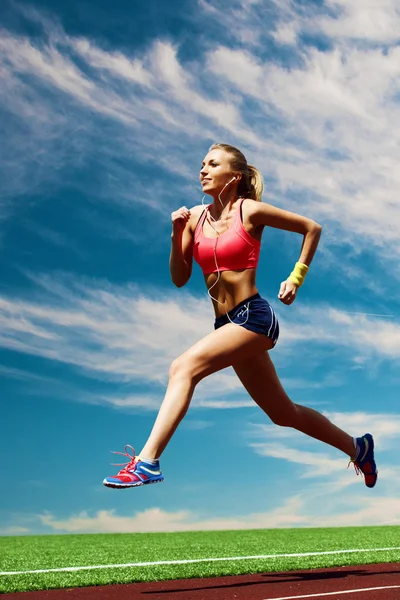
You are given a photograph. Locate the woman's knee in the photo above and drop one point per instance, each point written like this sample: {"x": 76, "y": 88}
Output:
{"x": 287, "y": 417}
{"x": 174, "y": 368}
{"x": 181, "y": 367}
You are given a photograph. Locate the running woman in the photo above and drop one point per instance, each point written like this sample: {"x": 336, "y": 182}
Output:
{"x": 224, "y": 238}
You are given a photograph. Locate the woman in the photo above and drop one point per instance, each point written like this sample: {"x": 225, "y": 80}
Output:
{"x": 224, "y": 238}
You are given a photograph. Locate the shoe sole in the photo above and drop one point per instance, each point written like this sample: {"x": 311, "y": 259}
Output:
{"x": 374, "y": 484}
{"x": 129, "y": 485}
{"x": 371, "y": 443}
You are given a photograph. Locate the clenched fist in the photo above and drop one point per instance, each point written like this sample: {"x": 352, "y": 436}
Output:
{"x": 179, "y": 219}
{"x": 287, "y": 292}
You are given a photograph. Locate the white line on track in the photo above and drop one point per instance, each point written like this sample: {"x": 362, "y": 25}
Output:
{"x": 323, "y": 594}
{"x": 198, "y": 560}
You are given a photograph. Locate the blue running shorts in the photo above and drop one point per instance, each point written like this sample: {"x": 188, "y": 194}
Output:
{"x": 255, "y": 314}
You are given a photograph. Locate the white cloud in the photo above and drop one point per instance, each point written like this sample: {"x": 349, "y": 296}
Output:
{"x": 318, "y": 463}
{"x": 363, "y": 334}
{"x": 286, "y": 34}
{"x": 311, "y": 458}
{"x": 122, "y": 334}
{"x": 118, "y": 334}
{"x": 323, "y": 128}
{"x": 295, "y": 512}
{"x": 372, "y": 20}
{"x": 369, "y": 21}
{"x": 68, "y": 96}
{"x": 378, "y": 510}
{"x": 331, "y": 497}
{"x": 238, "y": 19}
{"x": 14, "y": 530}
{"x": 125, "y": 321}
{"x": 156, "y": 519}
{"x": 117, "y": 63}
{"x": 341, "y": 102}
{"x": 330, "y": 500}
{"x": 384, "y": 426}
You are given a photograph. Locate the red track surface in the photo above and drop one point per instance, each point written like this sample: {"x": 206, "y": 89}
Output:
{"x": 264, "y": 586}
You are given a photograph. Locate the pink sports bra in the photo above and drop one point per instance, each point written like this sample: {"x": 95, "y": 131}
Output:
{"x": 236, "y": 248}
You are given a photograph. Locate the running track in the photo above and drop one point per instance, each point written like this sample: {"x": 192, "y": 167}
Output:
{"x": 366, "y": 582}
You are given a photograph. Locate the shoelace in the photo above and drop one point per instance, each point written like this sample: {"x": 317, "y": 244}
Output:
{"x": 356, "y": 467}
{"x": 128, "y": 465}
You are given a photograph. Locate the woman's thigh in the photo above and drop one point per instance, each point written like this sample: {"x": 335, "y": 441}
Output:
{"x": 220, "y": 349}
{"x": 260, "y": 379}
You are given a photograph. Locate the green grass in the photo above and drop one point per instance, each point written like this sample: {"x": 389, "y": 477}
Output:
{"x": 55, "y": 551}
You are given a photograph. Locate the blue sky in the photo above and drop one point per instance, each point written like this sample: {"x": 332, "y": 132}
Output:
{"x": 106, "y": 115}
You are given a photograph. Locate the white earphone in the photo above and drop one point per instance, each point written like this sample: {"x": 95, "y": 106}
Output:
{"x": 215, "y": 256}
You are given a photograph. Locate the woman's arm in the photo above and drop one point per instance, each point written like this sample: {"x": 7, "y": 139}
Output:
{"x": 310, "y": 243}
{"x": 181, "y": 256}
{"x": 268, "y": 215}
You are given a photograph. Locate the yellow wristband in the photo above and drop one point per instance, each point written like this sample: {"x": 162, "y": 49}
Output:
{"x": 298, "y": 274}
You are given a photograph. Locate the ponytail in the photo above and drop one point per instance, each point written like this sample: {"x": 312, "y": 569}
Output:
{"x": 251, "y": 184}
{"x": 256, "y": 184}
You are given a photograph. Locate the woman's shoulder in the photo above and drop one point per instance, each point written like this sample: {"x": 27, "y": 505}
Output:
{"x": 250, "y": 202}
{"x": 198, "y": 208}
{"x": 251, "y": 206}
{"x": 251, "y": 210}
{"x": 195, "y": 213}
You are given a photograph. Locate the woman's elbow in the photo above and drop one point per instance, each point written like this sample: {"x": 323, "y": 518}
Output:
{"x": 180, "y": 282}
{"x": 315, "y": 227}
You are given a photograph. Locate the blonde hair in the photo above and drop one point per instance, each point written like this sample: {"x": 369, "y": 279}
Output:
{"x": 251, "y": 184}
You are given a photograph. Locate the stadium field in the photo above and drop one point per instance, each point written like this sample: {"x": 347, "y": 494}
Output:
{"x": 58, "y": 561}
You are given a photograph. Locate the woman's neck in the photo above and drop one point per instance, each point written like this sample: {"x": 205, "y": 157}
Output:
{"x": 222, "y": 206}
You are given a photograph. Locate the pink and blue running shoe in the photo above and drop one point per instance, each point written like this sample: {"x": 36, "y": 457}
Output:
{"x": 365, "y": 462}
{"x": 136, "y": 472}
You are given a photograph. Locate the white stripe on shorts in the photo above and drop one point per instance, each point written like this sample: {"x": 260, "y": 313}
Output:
{"x": 276, "y": 323}
{"x": 272, "y": 321}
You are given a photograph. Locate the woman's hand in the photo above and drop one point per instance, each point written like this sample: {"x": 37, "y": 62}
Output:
{"x": 287, "y": 292}
{"x": 179, "y": 219}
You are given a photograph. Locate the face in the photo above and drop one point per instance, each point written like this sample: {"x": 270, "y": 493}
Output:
{"x": 216, "y": 172}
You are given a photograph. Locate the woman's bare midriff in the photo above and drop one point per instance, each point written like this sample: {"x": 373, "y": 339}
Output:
{"x": 232, "y": 288}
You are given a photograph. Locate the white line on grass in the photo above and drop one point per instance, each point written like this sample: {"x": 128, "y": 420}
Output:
{"x": 197, "y": 560}
{"x": 323, "y": 594}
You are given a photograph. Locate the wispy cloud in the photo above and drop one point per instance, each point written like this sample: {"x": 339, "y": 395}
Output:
{"x": 156, "y": 519}
{"x": 295, "y": 512}
{"x": 124, "y": 320}
{"x": 363, "y": 334}
{"x": 14, "y": 530}
{"x": 375, "y": 21}
{"x": 122, "y": 334}
{"x": 384, "y": 426}
{"x": 331, "y": 492}
{"x": 344, "y": 98}
{"x": 319, "y": 463}
{"x": 143, "y": 99}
